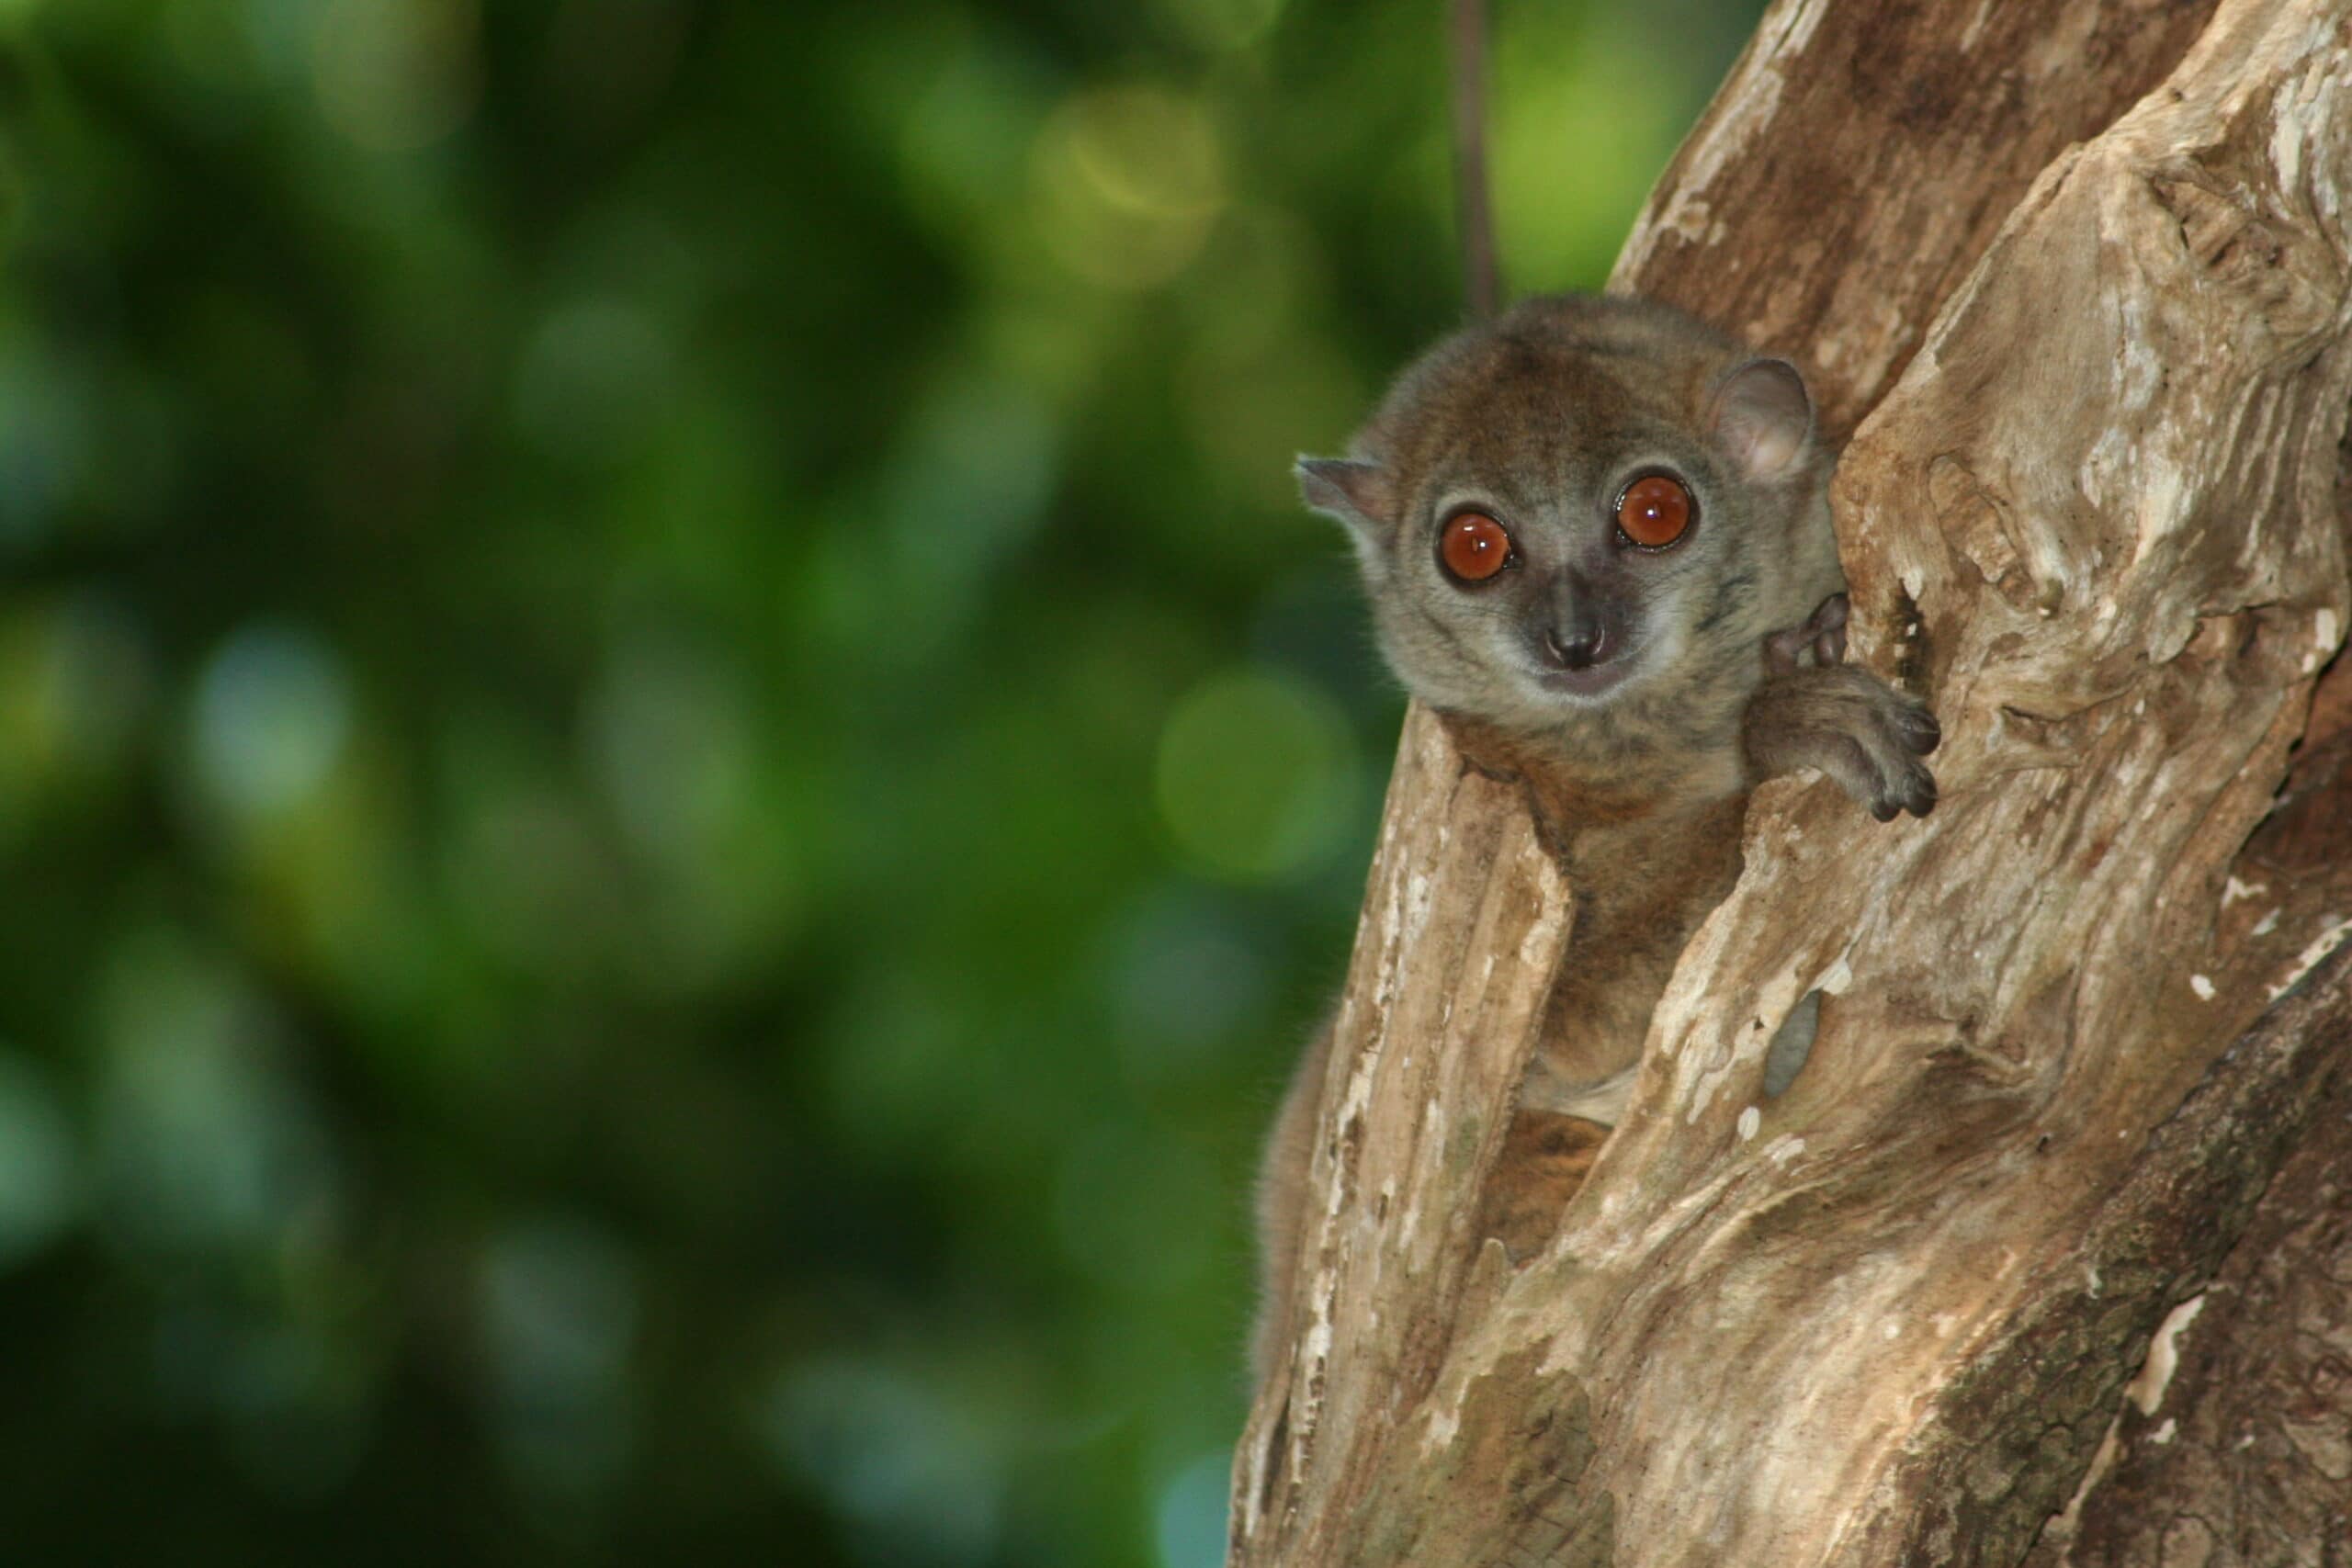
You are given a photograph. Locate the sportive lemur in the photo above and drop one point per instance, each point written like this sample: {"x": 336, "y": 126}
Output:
{"x": 1594, "y": 535}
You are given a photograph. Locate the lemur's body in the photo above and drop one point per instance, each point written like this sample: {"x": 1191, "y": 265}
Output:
{"x": 1595, "y": 534}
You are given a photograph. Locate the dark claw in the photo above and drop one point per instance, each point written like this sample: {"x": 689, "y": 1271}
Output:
{"x": 1920, "y": 798}
{"x": 1886, "y": 811}
{"x": 1920, "y": 731}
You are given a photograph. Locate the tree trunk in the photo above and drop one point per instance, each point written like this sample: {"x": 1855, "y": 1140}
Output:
{"x": 2076, "y": 275}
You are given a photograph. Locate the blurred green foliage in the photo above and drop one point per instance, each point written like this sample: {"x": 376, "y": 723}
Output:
{"x": 676, "y": 769}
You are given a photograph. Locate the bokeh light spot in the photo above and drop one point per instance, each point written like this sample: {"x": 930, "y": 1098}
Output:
{"x": 1256, "y": 776}
{"x": 272, "y": 712}
{"x": 1128, "y": 181}
{"x": 1148, "y": 150}
{"x": 1190, "y": 1514}
{"x": 906, "y": 1466}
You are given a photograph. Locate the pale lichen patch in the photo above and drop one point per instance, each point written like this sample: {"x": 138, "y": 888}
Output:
{"x": 2333, "y": 929}
{"x": 1837, "y": 977}
{"x": 2286, "y": 148}
{"x": 1445, "y": 1420}
{"x": 2147, "y": 1389}
{"x": 2063, "y": 1526}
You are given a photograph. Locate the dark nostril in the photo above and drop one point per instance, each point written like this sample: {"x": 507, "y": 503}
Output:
{"x": 1577, "y": 650}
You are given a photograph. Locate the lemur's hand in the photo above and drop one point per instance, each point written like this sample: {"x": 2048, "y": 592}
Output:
{"x": 1814, "y": 712}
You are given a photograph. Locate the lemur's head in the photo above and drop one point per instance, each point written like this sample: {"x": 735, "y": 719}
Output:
{"x": 1587, "y": 507}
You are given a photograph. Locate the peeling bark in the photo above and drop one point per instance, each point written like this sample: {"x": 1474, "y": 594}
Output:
{"x": 2093, "y": 294}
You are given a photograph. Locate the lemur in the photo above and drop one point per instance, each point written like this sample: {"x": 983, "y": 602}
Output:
{"x": 1594, "y": 535}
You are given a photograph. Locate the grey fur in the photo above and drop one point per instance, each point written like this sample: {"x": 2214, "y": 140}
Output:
{"x": 1540, "y": 419}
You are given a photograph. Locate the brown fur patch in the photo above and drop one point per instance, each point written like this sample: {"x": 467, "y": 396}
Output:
{"x": 1545, "y": 1159}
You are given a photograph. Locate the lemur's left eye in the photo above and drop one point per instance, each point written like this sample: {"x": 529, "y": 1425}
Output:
{"x": 1474, "y": 547}
{"x": 1655, "y": 512}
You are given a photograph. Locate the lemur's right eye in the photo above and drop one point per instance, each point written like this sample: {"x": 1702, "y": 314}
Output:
{"x": 1474, "y": 547}
{"x": 1654, "y": 511}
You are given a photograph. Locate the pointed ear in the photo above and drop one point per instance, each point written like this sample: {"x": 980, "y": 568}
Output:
{"x": 1762, "y": 415}
{"x": 1357, "y": 493}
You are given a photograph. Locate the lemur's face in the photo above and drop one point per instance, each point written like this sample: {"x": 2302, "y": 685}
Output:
{"x": 1563, "y": 578}
{"x": 1551, "y": 521}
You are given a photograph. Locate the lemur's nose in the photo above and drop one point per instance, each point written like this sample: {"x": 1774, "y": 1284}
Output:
{"x": 1577, "y": 646}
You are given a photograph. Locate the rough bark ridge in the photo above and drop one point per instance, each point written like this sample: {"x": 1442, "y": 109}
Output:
{"x": 1888, "y": 1316}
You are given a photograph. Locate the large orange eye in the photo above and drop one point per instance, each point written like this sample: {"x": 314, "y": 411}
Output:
{"x": 1474, "y": 547}
{"x": 1654, "y": 512}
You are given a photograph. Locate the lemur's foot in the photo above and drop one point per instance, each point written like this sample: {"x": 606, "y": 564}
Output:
{"x": 1821, "y": 640}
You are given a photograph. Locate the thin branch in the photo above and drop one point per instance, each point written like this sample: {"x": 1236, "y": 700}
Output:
{"x": 1481, "y": 272}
